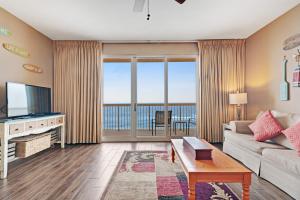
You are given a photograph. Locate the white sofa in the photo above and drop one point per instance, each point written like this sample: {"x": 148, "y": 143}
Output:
{"x": 275, "y": 160}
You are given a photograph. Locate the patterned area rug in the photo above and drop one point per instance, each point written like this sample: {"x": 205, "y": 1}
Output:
{"x": 149, "y": 175}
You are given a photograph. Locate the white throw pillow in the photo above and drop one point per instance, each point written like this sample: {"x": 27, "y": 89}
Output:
{"x": 283, "y": 141}
{"x": 283, "y": 118}
{"x": 259, "y": 114}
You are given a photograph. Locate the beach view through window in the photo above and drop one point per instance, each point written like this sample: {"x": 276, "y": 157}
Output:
{"x": 158, "y": 86}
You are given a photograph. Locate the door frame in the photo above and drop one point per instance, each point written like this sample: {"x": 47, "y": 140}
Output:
{"x": 165, "y": 137}
{"x": 133, "y": 132}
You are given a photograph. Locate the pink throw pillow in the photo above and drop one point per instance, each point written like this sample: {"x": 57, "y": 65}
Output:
{"x": 265, "y": 127}
{"x": 293, "y": 134}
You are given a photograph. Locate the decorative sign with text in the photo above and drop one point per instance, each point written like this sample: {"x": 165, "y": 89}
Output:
{"x": 33, "y": 68}
{"x": 16, "y": 50}
{"x": 292, "y": 42}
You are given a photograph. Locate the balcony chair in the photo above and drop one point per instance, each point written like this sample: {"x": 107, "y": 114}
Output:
{"x": 191, "y": 121}
{"x": 159, "y": 120}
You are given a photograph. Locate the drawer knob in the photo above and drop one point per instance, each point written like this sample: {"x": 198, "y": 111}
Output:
{"x": 42, "y": 124}
{"x": 16, "y": 129}
{"x": 30, "y": 126}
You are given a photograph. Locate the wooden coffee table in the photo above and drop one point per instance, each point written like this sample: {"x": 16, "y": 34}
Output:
{"x": 221, "y": 168}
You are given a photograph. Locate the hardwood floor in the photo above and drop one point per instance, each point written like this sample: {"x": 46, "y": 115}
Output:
{"x": 83, "y": 171}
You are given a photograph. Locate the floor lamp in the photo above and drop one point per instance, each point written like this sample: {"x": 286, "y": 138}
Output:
{"x": 238, "y": 99}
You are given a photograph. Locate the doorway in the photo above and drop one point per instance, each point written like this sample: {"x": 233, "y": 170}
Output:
{"x": 148, "y": 99}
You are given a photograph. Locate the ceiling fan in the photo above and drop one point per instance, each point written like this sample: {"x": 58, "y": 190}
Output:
{"x": 140, "y": 4}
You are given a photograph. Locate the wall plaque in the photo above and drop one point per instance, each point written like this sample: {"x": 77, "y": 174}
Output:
{"x": 33, "y": 68}
{"x": 292, "y": 42}
{"x": 16, "y": 50}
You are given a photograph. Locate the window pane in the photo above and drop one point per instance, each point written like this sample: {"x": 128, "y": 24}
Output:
{"x": 182, "y": 97}
{"x": 182, "y": 82}
{"x": 117, "y": 98}
{"x": 117, "y": 83}
{"x": 150, "y": 82}
{"x": 150, "y": 97}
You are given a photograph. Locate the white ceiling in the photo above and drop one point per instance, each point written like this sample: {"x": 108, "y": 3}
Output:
{"x": 115, "y": 20}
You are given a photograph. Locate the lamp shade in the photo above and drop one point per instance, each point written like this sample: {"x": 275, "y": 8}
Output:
{"x": 238, "y": 98}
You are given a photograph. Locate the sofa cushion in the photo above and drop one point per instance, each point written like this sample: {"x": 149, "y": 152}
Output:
{"x": 283, "y": 141}
{"x": 286, "y": 120}
{"x": 241, "y": 126}
{"x": 293, "y": 119}
{"x": 266, "y": 127}
{"x": 293, "y": 134}
{"x": 285, "y": 159}
{"x": 248, "y": 141}
{"x": 282, "y": 118}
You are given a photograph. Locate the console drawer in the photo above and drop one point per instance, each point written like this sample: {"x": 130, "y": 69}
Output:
{"x": 16, "y": 128}
{"x": 42, "y": 123}
{"x": 59, "y": 120}
{"x": 51, "y": 122}
{"x": 30, "y": 126}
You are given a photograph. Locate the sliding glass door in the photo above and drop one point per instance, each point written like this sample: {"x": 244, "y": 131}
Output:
{"x": 149, "y": 98}
{"x": 117, "y": 104}
{"x": 182, "y": 96}
{"x": 151, "y": 101}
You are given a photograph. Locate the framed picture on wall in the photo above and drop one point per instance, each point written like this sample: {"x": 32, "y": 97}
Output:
{"x": 296, "y": 72}
{"x": 296, "y": 77}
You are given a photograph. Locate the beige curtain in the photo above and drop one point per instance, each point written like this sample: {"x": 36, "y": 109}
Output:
{"x": 221, "y": 72}
{"x": 77, "y": 71}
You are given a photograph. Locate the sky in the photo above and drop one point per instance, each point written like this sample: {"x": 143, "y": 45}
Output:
{"x": 150, "y": 82}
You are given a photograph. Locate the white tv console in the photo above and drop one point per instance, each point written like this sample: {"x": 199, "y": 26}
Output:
{"x": 12, "y": 128}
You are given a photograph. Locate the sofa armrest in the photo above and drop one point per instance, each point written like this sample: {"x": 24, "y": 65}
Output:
{"x": 241, "y": 126}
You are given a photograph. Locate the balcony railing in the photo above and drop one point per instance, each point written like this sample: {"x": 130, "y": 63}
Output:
{"x": 117, "y": 117}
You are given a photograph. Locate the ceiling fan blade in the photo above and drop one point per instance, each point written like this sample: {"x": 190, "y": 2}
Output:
{"x": 180, "y": 1}
{"x": 139, "y": 5}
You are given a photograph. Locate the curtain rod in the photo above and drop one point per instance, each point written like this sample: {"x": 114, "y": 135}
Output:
{"x": 158, "y": 41}
{"x": 147, "y": 41}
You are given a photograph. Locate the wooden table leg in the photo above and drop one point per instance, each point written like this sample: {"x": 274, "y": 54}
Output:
{"x": 173, "y": 155}
{"x": 246, "y": 192}
{"x": 192, "y": 190}
{"x": 246, "y": 186}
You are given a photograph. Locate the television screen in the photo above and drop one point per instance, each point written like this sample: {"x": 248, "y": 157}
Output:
{"x": 25, "y": 99}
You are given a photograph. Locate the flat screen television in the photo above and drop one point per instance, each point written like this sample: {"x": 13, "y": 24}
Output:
{"x": 25, "y": 100}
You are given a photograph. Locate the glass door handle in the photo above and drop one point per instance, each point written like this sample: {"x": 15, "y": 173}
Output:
{"x": 134, "y": 107}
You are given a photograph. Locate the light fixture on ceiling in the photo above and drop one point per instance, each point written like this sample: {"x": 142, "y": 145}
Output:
{"x": 140, "y": 4}
{"x": 148, "y": 10}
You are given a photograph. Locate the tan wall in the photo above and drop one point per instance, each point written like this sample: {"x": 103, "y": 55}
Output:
{"x": 39, "y": 46}
{"x": 264, "y": 57}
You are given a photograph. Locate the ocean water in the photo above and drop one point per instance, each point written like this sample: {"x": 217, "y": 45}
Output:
{"x": 119, "y": 117}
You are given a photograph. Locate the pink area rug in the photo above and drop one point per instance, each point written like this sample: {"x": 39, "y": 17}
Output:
{"x": 150, "y": 175}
